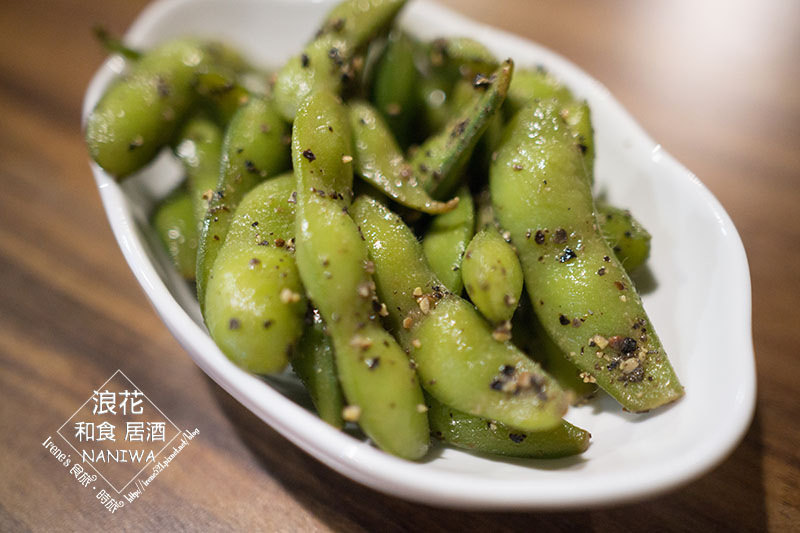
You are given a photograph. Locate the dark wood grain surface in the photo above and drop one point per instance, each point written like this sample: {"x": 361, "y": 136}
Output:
{"x": 716, "y": 83}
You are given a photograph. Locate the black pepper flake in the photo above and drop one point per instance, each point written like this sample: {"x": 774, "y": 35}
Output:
{"x": 333, "y": 53}
{"x": 576, "y": 323}
{"x": 636, "y": 375}
{"x": 564, "y": 321}
{"x": 373, "y": 363}
{"x": 481, "y": 81}
{"x": 583, "y": 147}
{"x": 267, "y": 323}
{"x": 338, "y": 24}
{"x": 517, "y": 437}
{"x": 606, "y": 258}
{"x": 613, "y": 364}
{"x": 628, "y": 345}
{"x": 568, "y": 255}
{"x": 602, "y": 271}
{"x": 250, "y": 166}
{"x": 458, "y": 129}
{"x": 263, "y": 243}
{"x": 162, "y": 87}
{"x": 539, "y": 237}
{"x": 560, "y": 236}
{"x": 254, "y": 224}
{"x": 304, "y": 60}
{"x": 308, "y": 154}
{"x": 234, "y": 323}
{"x": 508, "y": 370}
{"x": 496, "y": 384}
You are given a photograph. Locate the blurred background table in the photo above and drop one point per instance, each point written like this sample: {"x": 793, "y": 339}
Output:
{"x": 715, "y": 82}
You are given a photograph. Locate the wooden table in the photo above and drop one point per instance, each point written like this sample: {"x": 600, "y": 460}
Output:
{"x": 715, "y": 82}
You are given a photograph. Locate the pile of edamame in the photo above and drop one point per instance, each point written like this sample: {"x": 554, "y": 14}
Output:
{"x": 468, "y": 287}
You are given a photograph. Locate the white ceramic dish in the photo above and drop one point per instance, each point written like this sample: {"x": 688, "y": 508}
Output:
{"x": 699, "y": 302}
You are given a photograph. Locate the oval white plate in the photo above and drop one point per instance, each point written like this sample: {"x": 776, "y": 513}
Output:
{"x": 697, "y": 293}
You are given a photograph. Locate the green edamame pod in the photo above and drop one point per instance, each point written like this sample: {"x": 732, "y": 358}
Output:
{"x": 434, "y": 106}
{"x": 486, "y": 436}
{"x": 114, "y": 44}
{"x": 379, "y": 161}
{"x": 446, "y": 241}
{"x": 456, "y": 357}
{"x": 528, "y": 85}
{"x": 531, "y": 337}
{"x": 254, "y": 147}
{"x": 445, "y": 62}
{"x": 174, "y": 222}
{"x": 626, "y": 236}
{"x": 199, "y": 149}
{"x": 313, "y": 362}
{"x": 492, "y": 275}
{"x": 255, "y": 302}
{"x": 461, "y": 95}
{"x": 581, "y": 293}
{"x": 381, "y": 388}
{"x": 140, "y": 112}
{"x": 440, "y": 158}
{"x": 578, "y": 116}
{"x": 223, "y": 93}
{"x": 332, "y": 55}
{"x": 460, "y": 58}
{"x": 394, "y": 85}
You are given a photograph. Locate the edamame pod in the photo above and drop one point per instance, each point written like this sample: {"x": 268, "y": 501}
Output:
{"x": 174, "y": 222}
{"x": 460, "y": 58}
{"x": 452, "y": 347}
{"x": 492, "y": 276}
{"x": 626, "y": 236}
{"x": 379, "y": 161}
{"x": 446, "y": 241}
{"x": 578, "y": 116}
{"x": 254, "y": 148}
{"x": 114, "y": 44}
{"x": 199, "y": 149}
{"x": 314, "y": 363}
{"x": 461, "y": 95}
{"x": 332, "y": 55}
{"x": 394, "y": 85}
{"x": 434, "y": 106}
{"x": 223, "y": 93}
{"x": 528, "y": 85}
{"x": 381, "y": 388}
{"x": 581, "y": 293}
{"x": 439, "y": 160}
{"x": 255, "y": 303}
{"x": 445, "y": 62}
{"x": 531, "y": 337}
{"x": 140, "y": 112}
{"x": 478, "y": 434}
